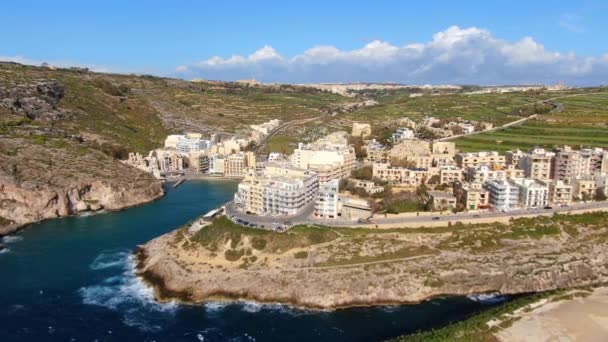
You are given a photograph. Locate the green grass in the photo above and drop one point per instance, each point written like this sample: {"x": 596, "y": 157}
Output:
{"x": 223, "y": 230}
{"x": 582, "y": 123}
{"x": 404, "y": 206}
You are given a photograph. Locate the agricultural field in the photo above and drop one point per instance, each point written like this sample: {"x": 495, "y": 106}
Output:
{"x": 583, "y": 122}
{"x": 495, "y": 108}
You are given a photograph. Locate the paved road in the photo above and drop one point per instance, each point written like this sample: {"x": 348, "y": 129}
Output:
{"x": 305, "y": 216}
{"x": 272, "y": 133}
{"x": 467, "y": 216}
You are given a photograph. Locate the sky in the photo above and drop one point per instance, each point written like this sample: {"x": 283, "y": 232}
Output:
{"x": 421, "y": 42}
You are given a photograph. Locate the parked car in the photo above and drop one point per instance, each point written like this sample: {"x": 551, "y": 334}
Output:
{"x": 436, "y": 218}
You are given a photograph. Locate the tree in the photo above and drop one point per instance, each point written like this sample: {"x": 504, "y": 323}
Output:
{"x": 365, "y": 172}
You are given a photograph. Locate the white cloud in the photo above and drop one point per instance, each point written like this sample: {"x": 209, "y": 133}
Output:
{"x": 456, "y": 55}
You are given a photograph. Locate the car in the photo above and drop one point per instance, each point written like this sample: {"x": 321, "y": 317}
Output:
{"x": 436, "y": 218}
{"x": 548, "y": 207}
{"x": 476, "y": 216}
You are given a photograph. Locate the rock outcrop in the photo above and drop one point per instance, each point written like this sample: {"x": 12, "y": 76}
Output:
{"x": 37, "y": 100}
{"x": 39, "y": 182}
{"x": 382, "y": 268}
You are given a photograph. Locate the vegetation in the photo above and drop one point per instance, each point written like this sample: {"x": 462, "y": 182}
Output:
{"x": 476, "y": 327}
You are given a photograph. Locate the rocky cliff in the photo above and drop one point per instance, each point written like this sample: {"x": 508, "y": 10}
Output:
{"x": 57, "y": 178}
{"x": 367, "y": 267}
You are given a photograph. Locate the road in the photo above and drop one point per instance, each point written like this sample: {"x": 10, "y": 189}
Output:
{"x": 470, "y": 217}
{"x": 272, "y": 133}
{"x": 306, "y": 216}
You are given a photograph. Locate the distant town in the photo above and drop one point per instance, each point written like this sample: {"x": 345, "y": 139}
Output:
{"x": 352, "y": 177}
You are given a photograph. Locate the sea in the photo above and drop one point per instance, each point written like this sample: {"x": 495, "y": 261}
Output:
{"x": 72, "y": 279}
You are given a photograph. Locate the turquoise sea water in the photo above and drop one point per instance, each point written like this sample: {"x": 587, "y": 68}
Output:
{"x": 72, "y": 279}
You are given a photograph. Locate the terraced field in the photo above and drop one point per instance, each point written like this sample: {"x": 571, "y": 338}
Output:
{"x": 582, "y": 123}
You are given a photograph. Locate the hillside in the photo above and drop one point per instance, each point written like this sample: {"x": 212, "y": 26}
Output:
{"x": 62, "y": 132}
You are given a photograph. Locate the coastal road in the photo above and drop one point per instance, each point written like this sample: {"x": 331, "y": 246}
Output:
{"x": 465, "y": 216}
{"x": 477, "y": 217}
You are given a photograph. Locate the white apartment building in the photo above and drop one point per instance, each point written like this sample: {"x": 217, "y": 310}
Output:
{"x": 503, "y": 194}
{"x": 532, "y": 193}
{"x": 402, "y": 133}
{"x": 279, "y": 190}
{"x": 326, "y": 204}
{"x": 217, "y": 164}
{"x": 330, "y": 157}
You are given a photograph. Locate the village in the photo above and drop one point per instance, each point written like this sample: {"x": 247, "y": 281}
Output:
{"x": 353, "y": 178}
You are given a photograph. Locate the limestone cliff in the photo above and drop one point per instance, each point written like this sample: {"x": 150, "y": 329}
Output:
{"x": 58, "y": 178}
{"x": 367, "y": 267}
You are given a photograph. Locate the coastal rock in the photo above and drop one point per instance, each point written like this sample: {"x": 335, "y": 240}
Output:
{"x": 393, "y": 270}
{"x": 37, "y": 183}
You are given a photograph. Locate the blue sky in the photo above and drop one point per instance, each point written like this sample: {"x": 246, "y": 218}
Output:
{"x": 160, "y": 36}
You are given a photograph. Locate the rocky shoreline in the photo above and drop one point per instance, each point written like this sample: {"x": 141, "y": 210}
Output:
{"x": 182, "y": 271}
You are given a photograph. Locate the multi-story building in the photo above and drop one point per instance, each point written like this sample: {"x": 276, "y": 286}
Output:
{"x": 449, "y": 174}
{"x": 326, "y": 204}
{"x": 199, "y": 162}
{"x": 278, "y": 190}
{"x": 537, "y": 164}
{"x": 465, "y": 160}
{"x": 560, "y": 193}
{"x": 474, "y": 196}
{"x": 422, "y": 153}
{"x": 235, "y": 165}
{"x": 401, "y": 134}
{"x": 217, "y": 163}
{"x": 532, "y": 193}
{"x": 482, "y": 173}
{"x": 513, "y": 157}
{"x": 584, "y": 187}
{"x": 442, "y": 200}
{"x": 503, "y": 194}
{"x": 331, "y": 157}
{"x": 400, "y": 175}
{"x": 566, "y": 164}
{"x": 369, "y": 186}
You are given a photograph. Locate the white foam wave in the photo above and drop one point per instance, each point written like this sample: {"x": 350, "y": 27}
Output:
{"x": 12, "y": 239}
{"x": 127, "y": 294}
{"x": 110, "y": 260}
{"x": 487, "y": 298}
{"x": 215, "y": 306}
{"x": 254, "y": 307}
{"x": 4, "y": 250}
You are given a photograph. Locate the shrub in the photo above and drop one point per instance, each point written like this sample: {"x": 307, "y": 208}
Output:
{"x": 233, "y": 254}
{"x": 258, "y": 243}
{"x": 301, "y": 255}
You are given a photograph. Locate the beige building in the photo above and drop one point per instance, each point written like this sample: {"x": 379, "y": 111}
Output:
{"x": 369, "y": 186}
{"x": 513, "y": 157}
{"x": 235, "y": 165}
{"x": 537, "y": 164}
{"x": 474, "y": 196}
{"x": 400, "y": 175}
{"x": 442, "y": 200}
{"x": 422, "y": 153}
{"x": 331, "y": 157}
{"x": 559, "y": 192}
{"x": 584, "y": 188}
{"x": 363, "y": 130}
{"x": 449, "y": 174}
{"x": 465, "y": 160}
